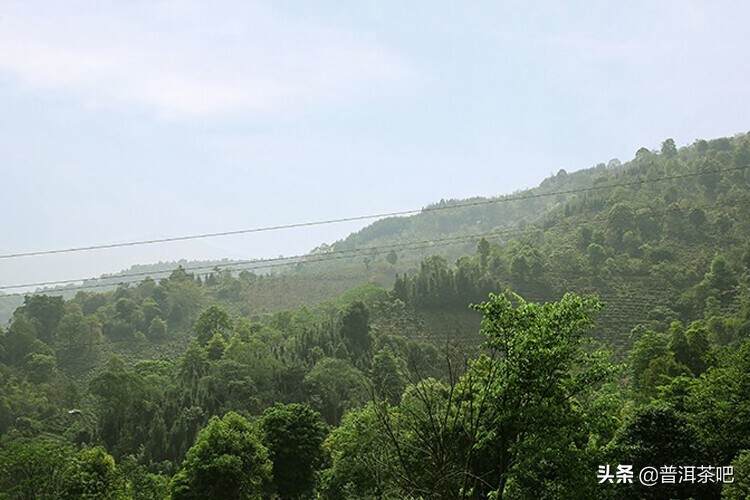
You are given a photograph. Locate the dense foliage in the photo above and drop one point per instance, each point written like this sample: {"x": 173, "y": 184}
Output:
{"x": 610, "y": 326}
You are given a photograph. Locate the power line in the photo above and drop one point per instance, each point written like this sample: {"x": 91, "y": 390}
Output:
{"x": 287, "y": 261}
{"x": 364, "y": 217}
{"x": 247, "y": 265}
{"x": 292, "y": 259}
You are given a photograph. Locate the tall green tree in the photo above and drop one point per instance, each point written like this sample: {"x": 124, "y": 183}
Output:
{"x": 719, "y": 406}
{"x": 45, "y": 312}
{"x": 212, "y": 321}
{"x": 388, "y": 375}
{"x": 392, "y": 257}
{"x": 657, "y": 435}
{"x": 541, "y": 369}
{"x": 92, "y": 474}
{"x": 333, "y": 386}
{"x": 228, "y": 460}
{"x": 483, "y": 249}
{"x": 33, "y": 468}
{"x": 355, "y": 329}
{"x": 513, "y": 425}
{"x": 361, "y": 458}
{"x": 739, "y": 488}
{"x": 668, "y": 148}
{"x": 294, "y": 435}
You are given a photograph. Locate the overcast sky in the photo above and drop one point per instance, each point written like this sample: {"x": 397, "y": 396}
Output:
{"x": 141, "y": 119}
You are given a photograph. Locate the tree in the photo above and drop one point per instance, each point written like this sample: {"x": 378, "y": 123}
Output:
{"x": 41, "y": 367}
{"x": 631, "y": 243}
{"x": 519, "y": 267}
{"x": 360, "y": 458}
{"x": 212, "y": 320}
{"x": 697, "y": 339}
{"x": 121, "y": 394}
{"x": 157, "y": 329}
{"x": 720, "y": 276}
{"x": 127, "y": 310}
{"x": 540, "y": 368}
{"x": 192, "y": 367}
{"x": 33, "y": 468}
{"x": 392, "y": 257}
{"x": 156, "y": 445}
{"x": 647, "y": 225}
{"x": 433, "y": 284}
{"x": 294, "y": 434}
{"x": 620, "y": 218}
{"x": 596, "y": 254}
{"x": 355, "y": 328}
{"x": 181, "y": 297}
{"x": 678, "y": 344}
{"x": 642, "y": 153}
{"x": 739, "y": 489}
{"x": 119, "y": 329}
{"x": 151, "y": 310}
{"x": 216, "y": 346}
{"x": 430, "y": 447}
{"x": 231, "y": 386}
{"x": 44, "y": 312}
{"x": 719, "y": 406}
{"x": 92, "y": 474}
{"x": 507, "y": 426}
{"x": 140, "y": 484}
{"x": 185, "y": 428}
{"x": 657, "y": 434}
{"x": 334, "y": 386}
{"x": 228, "y": 460}
{"x": 483, "y": 249}
{"x": 652, "y": 363}
{"x": 584, "y": 236}
{"x": 746, "y": 258}
{"x": 388, "y": 375}
{"x": 697, "y": 217}
{"x": 710, "y": 177}
{"x": 20, "y": 340}
{"x": 668, "y": 148}
{"x": 78, "y": 335}
{"x": 402, "y": 290}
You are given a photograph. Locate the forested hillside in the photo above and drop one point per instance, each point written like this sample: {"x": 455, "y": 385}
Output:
{"x": 601, "y": 318}
{"x": 664, "y": 201}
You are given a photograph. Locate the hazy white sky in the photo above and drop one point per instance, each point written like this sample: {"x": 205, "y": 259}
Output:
{"x": 141, "y": 119}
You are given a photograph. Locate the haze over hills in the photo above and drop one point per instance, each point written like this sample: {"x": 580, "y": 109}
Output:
{"x": 293, "y": 250}
{"x": 446, "y": 219}
{"x": 646, "y": 263}
{"x": 448, "y": 228}
{"x": 482, "y": 215}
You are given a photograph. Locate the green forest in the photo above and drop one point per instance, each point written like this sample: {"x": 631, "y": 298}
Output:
{"x": 601, "y": 318}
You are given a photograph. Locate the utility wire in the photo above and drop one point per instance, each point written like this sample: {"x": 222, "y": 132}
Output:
{"x": 505, "y": 199}
{"x": 286, "y": 261}
{"x": 241, "y": 265}
{"x": 260, "y": 263}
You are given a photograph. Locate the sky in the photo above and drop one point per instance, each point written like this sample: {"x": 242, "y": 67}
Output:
{"x": 143, "y": 119}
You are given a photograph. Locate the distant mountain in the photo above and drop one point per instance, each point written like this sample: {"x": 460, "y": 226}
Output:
{"x": 458, "y": 217}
